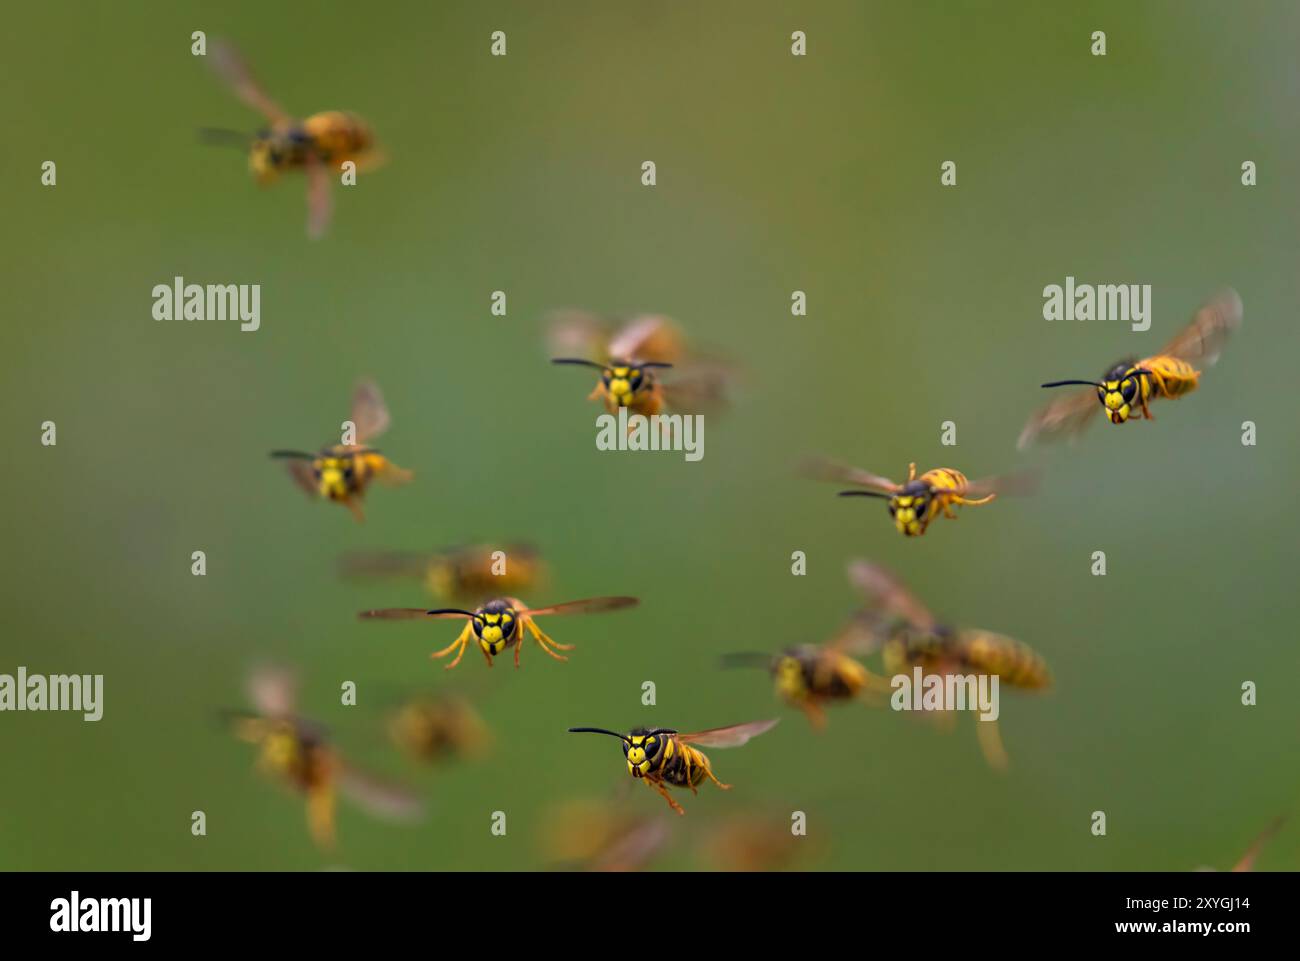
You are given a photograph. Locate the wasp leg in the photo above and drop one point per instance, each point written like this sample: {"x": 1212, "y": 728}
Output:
{"x": 544, "y": 641}
{"x": 519, "y": 643}
{"x": 958, "y": 499}
{"x": 355, "y": 507}
{"x": 991, "y": 744}
{"x": 687, "y": 759}
{"x": 667, "y": 797}
{"x": 712, "y": 777}
{"x": 816, "y": 716}
{"x": 598, "y": 392}
{"x": 911, "y": 472}
{"x": 460, "y": 642}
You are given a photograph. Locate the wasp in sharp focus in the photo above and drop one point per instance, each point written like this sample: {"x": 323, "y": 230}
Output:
{"x": 461, "y": 574}
{"x": 810, "y": 676}
{"x": 914, "y": 504}
{"x": 908, "y": 636}
{"x": 1127, "y": 389}
{"x": 661, "y": 757}
{"x": 501, "y": 623}
{"x": 342, "y": 472}
{"x": 318, "y": 145}
{"x": 297, "y": 753}
{"x": 629, "y": 361}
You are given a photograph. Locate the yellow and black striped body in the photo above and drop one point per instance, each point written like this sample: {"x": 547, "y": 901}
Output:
{"x": 922, "y": 499}
{"x": 331, "y": 137}
{"x": 295, "y": 757}
{"x": 810, "y": 674}
{"x": 944, "y": 651}
{"x": 343, "y": 472}
{"x": 1129, "y": 387}
{"x": 438, "y": 730}
{"x": 660, "y": 757}
{"x": 469, "y": 574}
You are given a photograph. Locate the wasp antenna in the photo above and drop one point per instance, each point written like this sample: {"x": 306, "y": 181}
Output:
{"x": 863, "y": 494}
{"x": 298, "y": 454}
{"x": 452, "y": 610}
{"x": 1072, "y": 383}
{"x": 577, "y": 361}
{"x": 655, "y": 363}
{"x": 223, "y": 137}
{"x": 598, "y": 730}
{"x": 745, "y": 659}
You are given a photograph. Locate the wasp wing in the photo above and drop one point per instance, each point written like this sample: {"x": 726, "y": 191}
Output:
{"x": 820, "y": 468}
{"x": 1247, "y": 862}
{"x": 590, "y": 605}
{"x": 1066, "y": 416}
{"x": 886, "y": 592}
{"x": 369, "y": 412}
{"x": 385, "y": 563}
{"x": 303, "y": 476}
{"x": 230, "y": 67}
{"x": 733, "y": 736}
{"x": 379, "y": 797}
{"x": 1202, "y": 340}
{"x": 577, "y": 333}
{"x": 273, "y": 691}
{"x": 1017, "y": 484}
{"x": 649, "y": 338}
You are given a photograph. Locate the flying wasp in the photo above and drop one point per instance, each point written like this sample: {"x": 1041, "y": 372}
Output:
{"x": 662, "y": 758}
{"x": 914, "y": 504}
{"x": 462, "y": 574}
{"x": 598, "y": 835}
{"x": 810, "y": 676}
{"x": 318, "y": 145}
{"x": 501, "y": 623}
{"x": 297, "y": 753}
{"x": 342, "y": 472}
{"x": 434, "y": 730}
{"x": 630, "y": 359}
{"x": 908, "y": 636}
{"x": 1127, "y": 389}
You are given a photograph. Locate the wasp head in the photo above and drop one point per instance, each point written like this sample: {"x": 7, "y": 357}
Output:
{"x": 910, "y": 509}
{"x": 644, "y": 750}
{"x": 1117, "y": 397}
{"x": 265, "y": 158}
{"x": 495, "y": 624}
{"x": 335, "y": 477}
{"x": 624, "y": 382}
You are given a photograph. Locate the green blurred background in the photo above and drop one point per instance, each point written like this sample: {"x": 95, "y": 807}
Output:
{"x": 775, "y": 173}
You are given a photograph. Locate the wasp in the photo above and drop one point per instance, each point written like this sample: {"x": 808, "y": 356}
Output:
{"x": 316, "y": 145}
{"x": 908, "y": 636}
{"x": 663, "y": 758}
{"x": 1247, "y": 861}
{"x": 1126, "y": 390}
{"x": 434, "y": 730}
{"x": 590, "y": 835}
{"x": 810, "y": 676}
{"x": 297, "y": 753}
{"x": 502, "y": 623}
{"x": 460, "y": 573}
{"x": 342, "y": 472}
{"x": 631, "y": 359}
{"x": 914, "y": 504}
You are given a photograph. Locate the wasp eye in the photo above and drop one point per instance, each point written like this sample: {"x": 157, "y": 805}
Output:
{"x": 1129, "y": 389}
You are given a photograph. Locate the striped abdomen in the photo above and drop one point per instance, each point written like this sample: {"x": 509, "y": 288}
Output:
{"x": 946, "y": 479}
{"x": 338, "y": 136}
{"x": 1170, "y": 377}
{"x": 674, "y": 767}
{"x": 1015, "y": 663}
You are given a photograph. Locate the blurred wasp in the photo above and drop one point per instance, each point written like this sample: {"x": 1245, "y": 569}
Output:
{"x": 342, "y": 472}
{"x": 914, "y": 504}
{"x": 661, "y": 757}
{"x": 1247, "y": 862}
{"x": 437, "y": 729}
{"x": 1126, "y": 390}
{"x": 588, "y": 835}
{"x": 629, "y": 361}
{"x": 320, "y": 143}
{"x": 908, "y": 636}
{"x": 501, "y": 623}
{"x": 752, "y": 842}
{"x": 460, "y": 573}
{"x": 810, "y": 676}
{"x": 296, "y": 752}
